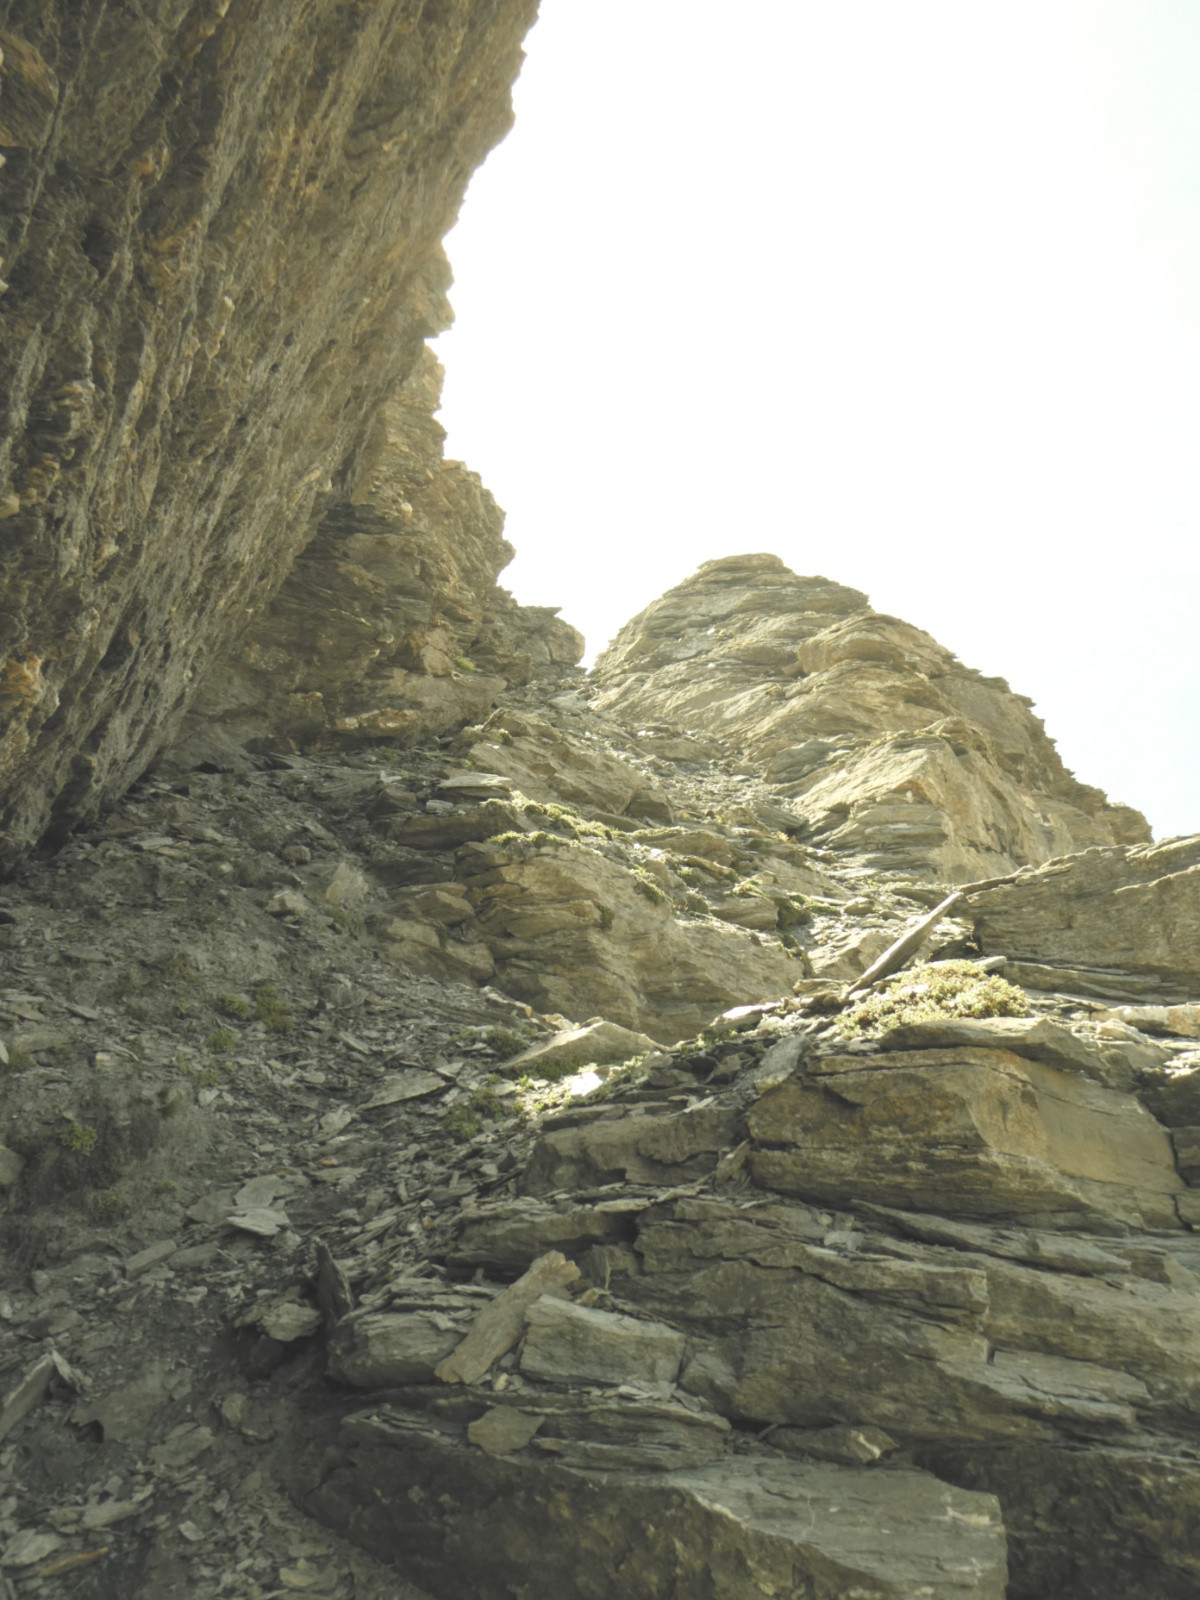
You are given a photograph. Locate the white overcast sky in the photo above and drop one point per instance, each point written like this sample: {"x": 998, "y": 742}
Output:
{"x": 904, "y": 291}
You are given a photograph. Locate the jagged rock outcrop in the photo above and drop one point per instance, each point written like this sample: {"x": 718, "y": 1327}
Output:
{"x": 390, "y": 625}
{"x": 884, "y": 745}
{"x": 221, "y": 253}
{"x": 987, "y": 1276}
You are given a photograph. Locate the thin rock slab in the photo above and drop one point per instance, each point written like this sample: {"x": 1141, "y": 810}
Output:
{"x": 969, "y": 1133}
{"x": 942, "y": 1346}
{"x": 594, "y": 1044}
{"x": 500, "y": 1324}
{"x": 665, "y": 1149}
{"x": 507, "y": 1234}
{"x": 1036, "y": 1038}
{"x": 1135, "y": 909}
{"x": 29, "y": 1390}
{"x": 460, "y": 1522}
{"x": 374, "y": 1348}
{"x": 565, "y": 1342}
{"x": 397, "y": 1087}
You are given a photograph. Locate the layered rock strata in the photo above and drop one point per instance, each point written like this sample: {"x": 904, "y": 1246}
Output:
{"x": 221, "y": 258}
{"x": 1117, "y": 922}
{"x": 838, "y": 1262}
{"x": 883, "y": 744}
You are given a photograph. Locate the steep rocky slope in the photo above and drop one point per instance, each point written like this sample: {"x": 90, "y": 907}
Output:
{"x": 372, "y": 1221}
{"x": 465, "y": 1123}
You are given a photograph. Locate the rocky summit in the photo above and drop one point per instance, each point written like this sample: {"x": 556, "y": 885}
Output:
{"x": 722, "y": 1125}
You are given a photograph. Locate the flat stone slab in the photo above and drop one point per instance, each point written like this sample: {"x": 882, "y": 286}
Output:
{"x": 596, "y": 1044}
{"x": 1133, "y": 908}
{"x": 461, "y": 1522}
{"x": 566, "y": 1342}
{"x": 1036, "y": 1038}
{"x": 970, "y": 1133}
{"x": 670, "y": 1148}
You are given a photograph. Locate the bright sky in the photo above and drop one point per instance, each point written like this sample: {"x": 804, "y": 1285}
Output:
{"x": 906, "y": 293}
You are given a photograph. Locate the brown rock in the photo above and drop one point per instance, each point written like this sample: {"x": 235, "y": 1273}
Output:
{"x": 212, "y": 291}
{"x": 976, "y": 1133}
{"x": 1131, "y": 911}
{"x": 886, "y": 746}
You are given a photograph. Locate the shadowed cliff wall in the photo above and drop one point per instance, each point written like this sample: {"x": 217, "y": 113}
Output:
{"x": 220, "y": 233}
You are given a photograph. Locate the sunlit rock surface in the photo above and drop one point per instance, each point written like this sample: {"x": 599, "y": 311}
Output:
{"x": 1119, "y": 922}
{"x": 390, "y": 625}
{"x": 884, "y": 745}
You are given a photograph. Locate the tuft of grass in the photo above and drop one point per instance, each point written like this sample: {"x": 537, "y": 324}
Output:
{"x": 568, "y": 820}
{"x": 78, "y": 1137}
{"x": 220, "y": 1041}
{"x": 930, "y": 993}
{"x": 235, "y": 1006}
{"x": 270, "y": 1008}
{"x": 647, "y": 888}
{"x": 107, "y": 1205}
{"x": 794, "y": 913}
{"x": 176, "y": 968}
{"x": 538, "y": 838}
{"x": 461, "y": 1123}
{"x": 504, "y": 1043}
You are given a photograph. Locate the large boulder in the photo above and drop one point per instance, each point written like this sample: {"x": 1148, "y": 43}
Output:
{"x": 1108, "y": 921}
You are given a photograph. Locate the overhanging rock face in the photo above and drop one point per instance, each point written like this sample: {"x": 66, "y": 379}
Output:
{"x": 221, "y": 244}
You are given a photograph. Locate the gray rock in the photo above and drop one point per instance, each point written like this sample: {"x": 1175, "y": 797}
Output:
{"x": 28, "y": 1547}
{"x": 1036, "y": 1038}
{"x": 397, "y": 1087}
{"x": 503, "y": 1429}
{"x": 565, "y": 1341}
{"x": 374, "y": 1349}
{"x": 849, "y": 1446}
{"x": 664, "y": 1149}
{"x": 499, "y": 1325}
{"x": 594, "y": 1044}
{"x": 151, "y": 1256}
{"x": 797, "y": 1527}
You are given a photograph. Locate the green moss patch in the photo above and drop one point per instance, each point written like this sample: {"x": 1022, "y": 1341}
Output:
{"x": 932, "y": 993}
